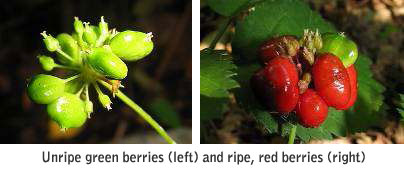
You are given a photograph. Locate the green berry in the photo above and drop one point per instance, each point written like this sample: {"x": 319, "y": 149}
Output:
{"x": 105, "y": 101}
{"x": 103, "y": 27}
{"x": 68, "y": 45}
{"x": 44, "y": 89}
{"x": 132, "y": 45}
{"x": 88, "y": 107}
{"x": 96, "y": 30}
{"x": 339, "y": 45}
{"x": 78, "y": 26}
{"x": 47, "y": 62}
{"x": 51, "y": 43}
{"x": 106, "y": 63}
{"x": 68, "y": 111}
{"x": 90, "y": 34}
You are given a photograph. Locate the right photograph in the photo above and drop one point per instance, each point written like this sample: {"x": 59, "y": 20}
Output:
{"x": 302, "y": 72}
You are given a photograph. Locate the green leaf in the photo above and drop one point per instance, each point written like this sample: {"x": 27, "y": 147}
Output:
{"x": 212, "y": 108}
{"x": 246, "y": 99}
{"x": 280, "y": 17}
{"x": 368, "y": 109}
{"x": 226, "y": 7}
{"x": 271, "y": 18}
{"x": 165, "y": 112}
{"x": 217, "y": 71}
{"x": 401, "y": 107}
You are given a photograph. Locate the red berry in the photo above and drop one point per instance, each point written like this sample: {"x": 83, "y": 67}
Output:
{"x": 331, "y": 80}
{"x": 286, "y": 46}
{"x": 353, "y": 82}
{"x": 276, "y": 85}
{"x": 311, "y": 109}
{"x": 262, "y": 89}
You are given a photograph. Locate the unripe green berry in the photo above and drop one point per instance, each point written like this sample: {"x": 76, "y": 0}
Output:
{"x": 68, "y": 45}
{"x": 96, "y": 30}
{"x": 89, "y": 35}
{"x": 51, "y": 43}
{"x": 78, "y": 26}
{"x": 44, "y": 89}
{"x": 105, "y": 101}
{"x": 88, "y": 107}
{"x": 106, "y": 63}
{"x": 47, "y": 62}
{"x": 68, "y": 111}
{"x": 342, "y": 47}
{"x": 132, "y": 45}
{"x": 103, "y": 27}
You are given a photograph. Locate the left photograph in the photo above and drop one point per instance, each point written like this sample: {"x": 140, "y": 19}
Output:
{"x": 96, "y": 72}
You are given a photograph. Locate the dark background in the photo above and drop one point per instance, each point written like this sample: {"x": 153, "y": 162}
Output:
{"x": 160, "y": 83}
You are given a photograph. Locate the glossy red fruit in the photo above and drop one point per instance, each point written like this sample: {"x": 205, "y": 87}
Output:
{"x": 311, "y": 109}
{"x": 262, "y": 89}
{"x": 353, "y": 82}
{"x": 276, "y": 85}
{"x": 286, "y": 45}
{"x": 331, "y": 80}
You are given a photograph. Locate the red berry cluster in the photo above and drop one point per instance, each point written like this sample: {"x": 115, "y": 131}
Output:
{"x": 284, "y": 83}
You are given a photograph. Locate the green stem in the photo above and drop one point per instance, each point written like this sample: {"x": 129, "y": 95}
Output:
{"x": 141, "y": 112}
{"x": 72, "y": 78}
{"x": 64, "y": 55}
{"x": 219, "y": 35}
{"x": 292, "y": 134}
{"x": 67, "y": 67}
{"x": 81, "y": 90}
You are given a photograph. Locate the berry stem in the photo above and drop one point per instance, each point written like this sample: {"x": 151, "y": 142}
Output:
{"x": 222, "y": 30}
{"x": 292, "y": 134}
{"x": 72, "y": 78}
{"x": 141, "y": 112}
{"x": 67, "y": 67}
{"x": 81, "y": 90}
{"x": 64, "y": 55}
{"x": 87, "y": 93}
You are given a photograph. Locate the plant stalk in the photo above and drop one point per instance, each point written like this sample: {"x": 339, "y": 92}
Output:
{"x": 219, "y": 35}
{"x": 292, "y": 135}
{"x": 141, "y": 112}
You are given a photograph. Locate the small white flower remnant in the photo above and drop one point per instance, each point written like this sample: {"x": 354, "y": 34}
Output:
{"x": 149, "y": 36}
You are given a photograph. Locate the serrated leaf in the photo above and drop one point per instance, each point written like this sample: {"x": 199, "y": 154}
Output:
{"x": 280, "y": 17}
{"x": 226, "y": 7}
{"x": 335, "y": 124}
{"x": 401, "y": 104}
{"x": 401, "y": 111}
{"x": 216, "y": 72}
{"x": 246, "y": 99}
{"x": 368, "y": 110}
{"x": 212, "y": 108}
{"x": 401, "y": 107}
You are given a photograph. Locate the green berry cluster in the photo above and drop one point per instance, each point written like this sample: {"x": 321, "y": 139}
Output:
{"x": 94, "y": 54}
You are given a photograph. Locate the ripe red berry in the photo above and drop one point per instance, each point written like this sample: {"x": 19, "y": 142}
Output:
{"x": 286, "y": 46}
{"x": 353, "y": 82}
{"x": 276, "y": 85}
{"x": 262, "y": 89}
{"x": 311, "y": 109}
{"x": 331, "y": 80}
